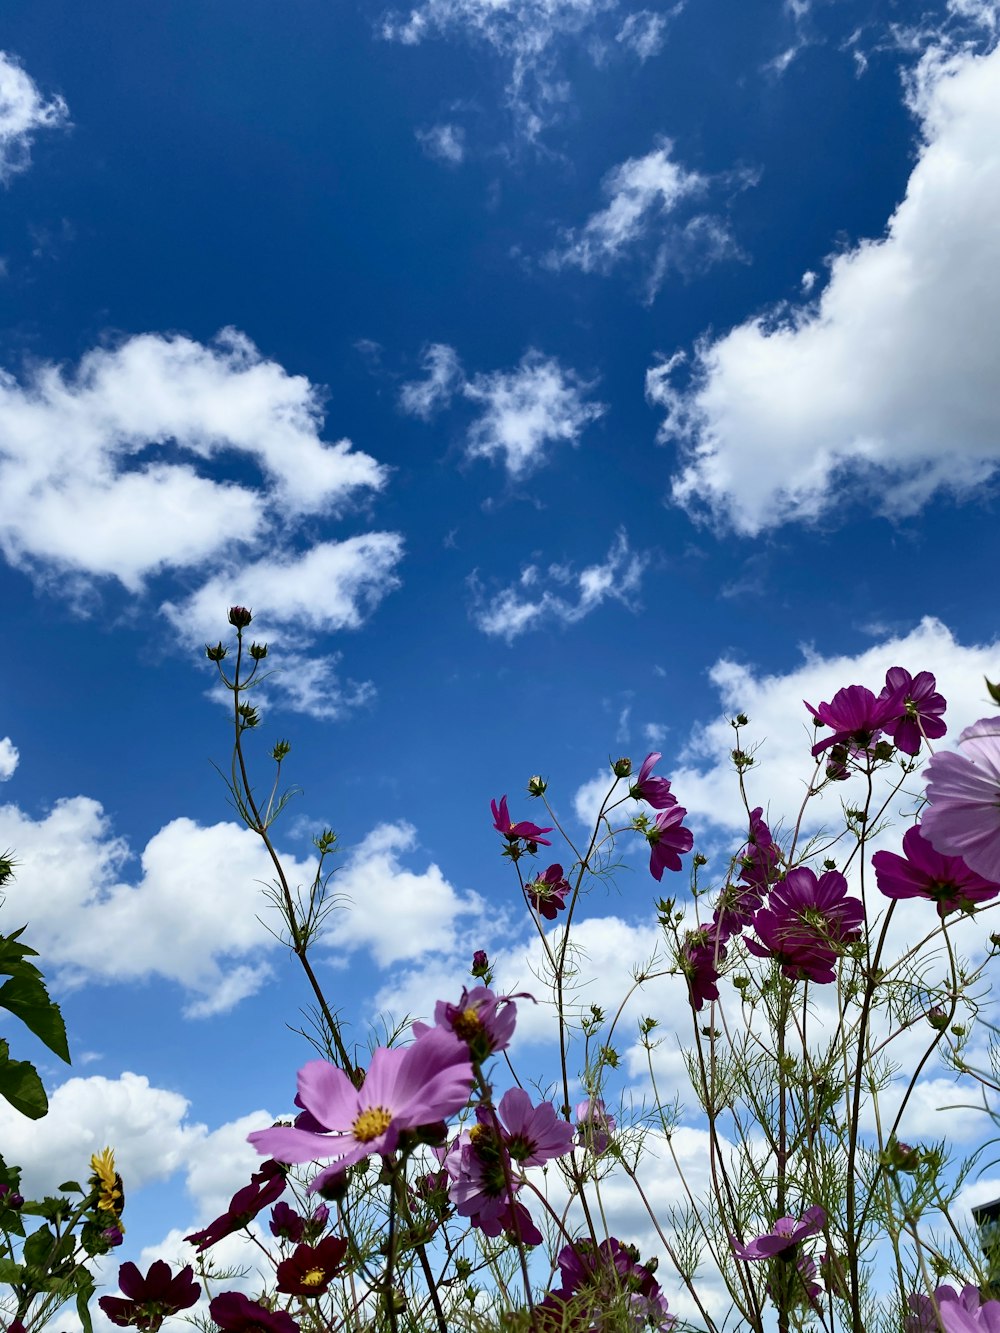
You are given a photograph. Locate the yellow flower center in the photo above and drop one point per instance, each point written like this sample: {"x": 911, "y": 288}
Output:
{"x": 467, "y": 1024}
{"x": 371, "y": 1123}
{"x": 313, "y": 1278}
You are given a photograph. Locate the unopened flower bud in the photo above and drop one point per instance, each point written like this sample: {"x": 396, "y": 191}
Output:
{"x": 740, "y": 720}
{"x": 112, "y": 1236}
{"x": 900, "y": 1157}
{"x": 281, "y": 749}
{"x": 621, "y": 767}
{"x": 994, "y": 690}
{"x": 480, "y": 964}
{"x": 336, "y": 1187}
{"x": 958, "y": 1029}
{"x": 258, "y": 651}
{"x": 937, "y": 1018}
{"x": 215, "y": 653}
{"x": 240, "y": 616}
{"x": 537, "y": 786}
{"x": 884, "y": 750}
{"x": 699, "y": 859}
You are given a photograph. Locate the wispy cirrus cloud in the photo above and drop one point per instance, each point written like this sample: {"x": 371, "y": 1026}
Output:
{"x": 24, "y": 110}
{"x": 856, "y": 391}
{"x": 522, "y": 412}
{"x": 559, "y": 593}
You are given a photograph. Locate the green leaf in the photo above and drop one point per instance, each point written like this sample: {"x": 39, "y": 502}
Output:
{"x": 12, "y": 956}
{"x": 84, "y": 1294}
{"x": 21, "y": 1086}
{"x": 10, "y": 1272}
{"x": 39, "y": 1247}
{"x": 70, "y": 1187}
{"x": 27, "y": 999}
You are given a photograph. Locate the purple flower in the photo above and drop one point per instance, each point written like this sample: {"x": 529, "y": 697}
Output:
{"x": 547, "y": 894}
{"x": 601, "y": 1281}
{"x": 151, "y": 1298}
{"x": 919, "y": 708}
{"x": 955, "y": 1313}
{"x": 286, "y": 1224}
{"x": 532, "y": 1135}
{"x": 265, "y": 1186}
{"x": 236, "y": 1313}
{"x": 758, "y": 860}
{"x": 480, "y": 964}
{"x": 806, "y": 922}
{"x": 482, "y": 1020}
{"x": 513, "y": 832}
{"x": 787, "y": 1231}
{"x": 654, "y": 791}
{"x": 482, "y": 1181}
{"x": 963, "y": 818}
{"x": 667, "y": 838}
{"x": 404, "y": 1089}
{"x": 922, "y": 872}
{"x": 856, "y": 716}
{"x": 700, "y": 955}
{"x": 594, "y": 1126}
{"x": 795, "y": 1284}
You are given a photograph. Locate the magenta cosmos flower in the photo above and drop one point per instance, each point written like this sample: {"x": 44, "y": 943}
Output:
{"x": 806, "y": 922}
{"x": 236, "y": 1313}
{"x": 955, "y": 1313}
{"x": 963, "y": 817}
{"x": 547, "y": 894}
{"x": 594, "y": 1126}
{"x": 598, "y": 1285}
{"x": 919, "y": 708}
{"x": 856, "y": 716}
{"x": 404, "y": 1088}
{"x": 922, "y": 872}
{"x": 667, "y": 839}
{"x": 702, "y": 952}
{"x": 482, "y": 1020}
{"x": 532, "y": 1135}
{"x": 654, "y": 791}
{"x": 525, "y": 830}
{"x": 786, "y": 1232}
{"x": 151, "y": 1298}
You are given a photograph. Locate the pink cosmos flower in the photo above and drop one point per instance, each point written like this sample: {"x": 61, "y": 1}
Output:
{"x": 532, "y": 1135}
{"x": 482, "y": 1020}
{"x": 654, "y": 791}
{"x": 547, "y": 894}
{"x": 806, "y": 922}
{"x": 963, "y": 817}
{"x": 513, "y": 832}
{"x": 922, "y": 872}
{"x": 597, "y": 1282}
{"x": 702, "y": 952}
{"x": 667, "y": 839}
{"x": 955, "y": 1313}
{"x": 787, "y": 1231}
{"x": 758, "y": 860}
{"x": 856, "y": 716}
{"x": 594, "y": 1126}
{"x": 920, "y": 708}
{"x": 405, "y": 1088}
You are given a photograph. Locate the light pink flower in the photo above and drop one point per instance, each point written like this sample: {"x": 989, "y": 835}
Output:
{"x": 963, "y": 817}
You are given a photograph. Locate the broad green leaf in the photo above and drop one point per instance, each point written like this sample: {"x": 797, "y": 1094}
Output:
{"x": 27, "y": 999}
{"x": 84, "y": 1294}
{"x": 13, "y": 955}
{"x": 21, "y": 1086}
{"x": 10, "y": 1272}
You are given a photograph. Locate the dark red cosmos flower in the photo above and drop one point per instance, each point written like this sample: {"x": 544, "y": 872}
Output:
{"x": 311, "y": 1268}
{"x": 286, "y": 1223}
{"x": 151, "y": 1298}
{"x": 265, "y": 1186}
{"x": 547, "y": 894}
{"x": 857, "y": 718}
{"x": 525, "y": 830}
{"x": 806, "y": 923}
{"x": 236, "y": 1313}
{"x": 654, "y": 791}
{"x": 922, "y": 872}
{"x": 919, "y": 708}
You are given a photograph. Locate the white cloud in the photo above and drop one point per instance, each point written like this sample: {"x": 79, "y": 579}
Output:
{"x": 70, "y": 886}
{"x": 560, "y": 594}
{"x": 526, "y": 409}
{"x": 445, "y": 143}
{"x": 444, "y": 377}
{"x": 9, "y": 756}
{"x": 100, "y": 467}
{"x": 395, "y": 913}
{"x": 860, "y": 388}
{"x": 23, "y": 111}
{"x": 521, "y": 410}
{"x": 644, "y": 32}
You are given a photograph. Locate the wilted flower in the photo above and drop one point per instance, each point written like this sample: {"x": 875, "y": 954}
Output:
{"x": 404, "y": 1089}
{"x": 963, "y": 817}
{"x": 923, "y": 872}
{"x": 151, "y": 1298}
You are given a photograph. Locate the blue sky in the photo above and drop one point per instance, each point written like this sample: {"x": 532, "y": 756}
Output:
{"x": 551, "y": 378}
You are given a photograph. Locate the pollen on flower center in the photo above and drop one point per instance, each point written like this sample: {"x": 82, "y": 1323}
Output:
{"x": 371, "y": 1123}
{"x": 467, "y": 1024}
{"x": 313, "y": 1278}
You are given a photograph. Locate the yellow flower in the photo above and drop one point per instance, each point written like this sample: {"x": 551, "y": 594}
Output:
{"x": 105, "y": 1179}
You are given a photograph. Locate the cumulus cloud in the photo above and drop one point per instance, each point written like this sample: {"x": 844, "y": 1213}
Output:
{"x": 101, "y": 466}
{"x": 559, "y": 593}
{"x": 23, "y": 112}
{"x": 521, "y": 411}
{"x": 9, "y": 756}
{"x": 857, "y": 390}
{"x": 445, "y": 143}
